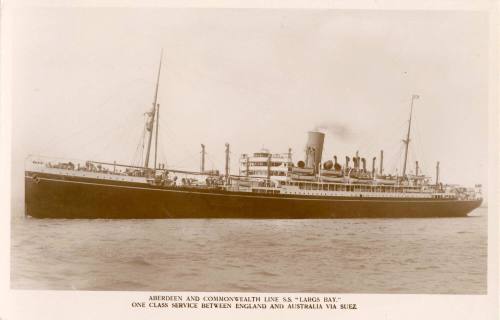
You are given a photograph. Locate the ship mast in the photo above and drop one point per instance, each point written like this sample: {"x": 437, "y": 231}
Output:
{"x": 151, "y": 121}
{"x": 407, "y": 141}
{"x": 156, "y": 133}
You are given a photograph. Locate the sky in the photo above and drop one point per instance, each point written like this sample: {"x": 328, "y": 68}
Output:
{"x": 255, "y": 78}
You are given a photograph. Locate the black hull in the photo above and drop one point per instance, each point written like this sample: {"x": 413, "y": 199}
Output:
{"x": 67, "y": 197}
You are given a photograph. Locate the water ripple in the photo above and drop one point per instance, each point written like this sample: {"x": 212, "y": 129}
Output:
{"x": 358, "y": 256}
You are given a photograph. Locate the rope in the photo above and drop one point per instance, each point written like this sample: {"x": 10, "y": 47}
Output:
{"x": 96, "y": 125}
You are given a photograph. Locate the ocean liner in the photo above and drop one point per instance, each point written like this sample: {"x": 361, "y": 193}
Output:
{"x": 268, "y": 186}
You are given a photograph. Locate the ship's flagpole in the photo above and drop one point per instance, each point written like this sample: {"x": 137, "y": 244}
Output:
{"x": 407, "y": 141}
{"x": 150, "y": 124}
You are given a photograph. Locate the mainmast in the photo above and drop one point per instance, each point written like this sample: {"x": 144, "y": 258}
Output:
{"x": 151, "y": 121}
{"x": 156, "y": 134}
{"x": 407, "y": 141}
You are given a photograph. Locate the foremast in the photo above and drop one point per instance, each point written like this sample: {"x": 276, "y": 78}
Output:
{"x": 154, "y": 116}
{"x": 407, "y": 141}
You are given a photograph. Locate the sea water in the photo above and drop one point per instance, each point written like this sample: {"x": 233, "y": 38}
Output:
{"x": 437, "y": 255}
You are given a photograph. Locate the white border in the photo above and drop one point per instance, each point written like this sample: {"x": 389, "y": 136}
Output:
{"x": 20, "y": 304}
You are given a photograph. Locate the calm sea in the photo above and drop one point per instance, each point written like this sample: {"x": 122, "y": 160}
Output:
{"x": 440, "y": 255}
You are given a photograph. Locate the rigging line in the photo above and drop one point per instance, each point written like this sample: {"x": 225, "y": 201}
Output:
{"x": 397, "y": 118}
{"x": 119, "y": 126}
{"x": 161, "y": 152}
{"x": 189, "y": 155}
{"x": 395, "y": 159}
{"x": 140, "y": 147}
{"x": 170, "y": 144}
{"x": 182, "y": 161}
{"x": 110, "y": 139}
{"x": 209, "y": 157}
{"x": 420, "y": 146}
{"x": 143, "y": 145}
{"x": 392, "y": 130}
{"x": 103, "y": 152}
{"x": 162, "y": 149}
{"x": 397, "y": 163}
{"x": 210, "y": 162}
{"x": 414, "y": 154}
{"x": 137, "y": 148}
{"x": 394, "y": 147}
{"x": 154, "y": 111}
{"x": 417, "y": 146}
{"x": 371, "y": 146}
{"x": 91, "y": 126}
{"x": 216, "y": 159}
{"x": 400, "y": 113}
{"x": 135, "y": 155}
{"x": 163, "y": 158}
{"x": 176, "y": 144}
{"x": 410, "y": 167}
{"x": 166, "y": 145}
{"x": 86, "y": 142}
{"x": 122, "y": 135}
{"x": 125, "y": 139}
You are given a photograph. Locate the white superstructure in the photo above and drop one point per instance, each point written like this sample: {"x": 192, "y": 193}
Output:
{"x": 265, "y": 164}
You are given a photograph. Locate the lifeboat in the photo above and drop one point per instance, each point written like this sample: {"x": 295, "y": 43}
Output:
{"x": 386, "y": 179}
{"x": 332, "y": 173}
{"x": 334, "y": 179}
{"x": 302, "y": 177}
{"x": 303, "y": 171}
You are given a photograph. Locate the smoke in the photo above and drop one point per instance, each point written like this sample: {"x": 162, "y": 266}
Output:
{"x": 335, "y": 129}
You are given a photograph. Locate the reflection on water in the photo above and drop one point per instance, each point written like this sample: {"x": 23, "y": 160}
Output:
{"x": 441, "y": 255}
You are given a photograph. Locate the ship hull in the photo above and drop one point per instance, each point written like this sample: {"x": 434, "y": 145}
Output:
{"x": 66, "y": 197}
